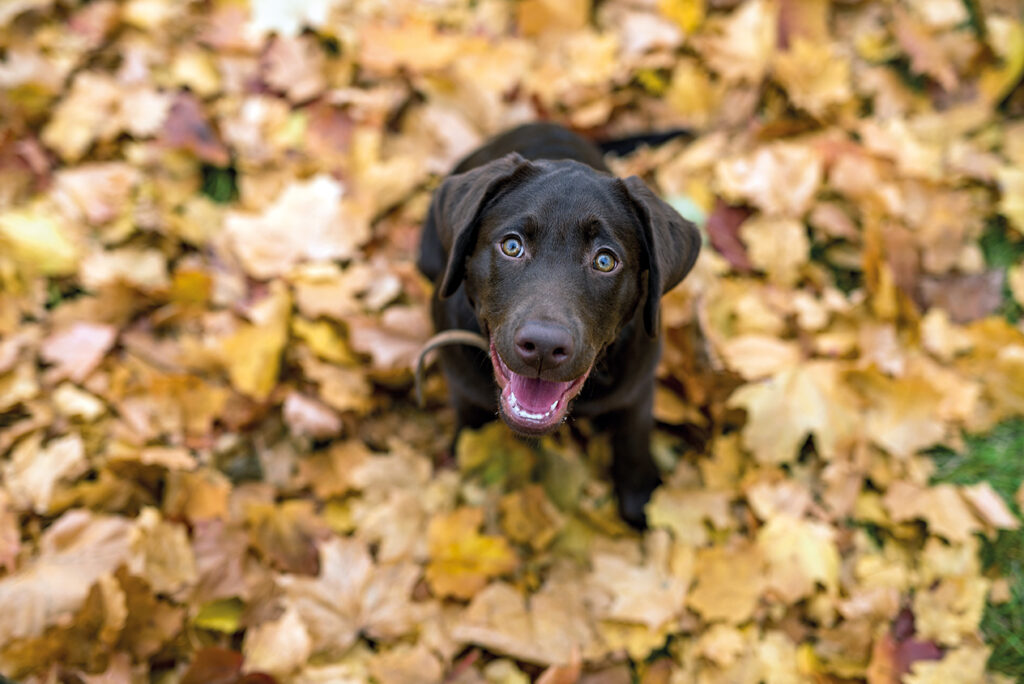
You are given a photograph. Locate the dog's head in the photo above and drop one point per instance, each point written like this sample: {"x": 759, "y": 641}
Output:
{"x": 556, "y": 258}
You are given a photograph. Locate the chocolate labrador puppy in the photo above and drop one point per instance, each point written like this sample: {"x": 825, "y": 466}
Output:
{"x": 560, "y": 266}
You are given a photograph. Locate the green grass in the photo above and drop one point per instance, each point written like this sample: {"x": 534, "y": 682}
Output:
{"x": 220, "y": 183}
{"x": 1003, "y": 249}
{"x": 998, "y": 458}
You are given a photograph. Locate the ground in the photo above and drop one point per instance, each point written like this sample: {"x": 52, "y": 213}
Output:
{"x": 212, "y": 467}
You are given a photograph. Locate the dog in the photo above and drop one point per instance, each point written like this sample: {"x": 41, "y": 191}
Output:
{"x": 533, "y": 243}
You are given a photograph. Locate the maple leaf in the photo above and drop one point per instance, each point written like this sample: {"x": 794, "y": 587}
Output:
{"x": 350, "y": 595}
{"x": 815, "y": 75}
{"x": 740, "y": 46}
{"x": 802, "y": 401}
{"x": 798, "y": 553}
{"x": 729, "y": 583}
{"x": 647, "y": 594}
{"x": 685, "y": 511}
{"x": 547, "y": 627}
{"x": 461, "y": 559}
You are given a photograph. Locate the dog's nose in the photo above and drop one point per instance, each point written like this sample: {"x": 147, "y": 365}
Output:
{"x": 543, "y": 345}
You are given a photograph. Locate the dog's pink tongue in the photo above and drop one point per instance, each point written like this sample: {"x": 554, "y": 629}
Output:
{"x": 536, "y": 395}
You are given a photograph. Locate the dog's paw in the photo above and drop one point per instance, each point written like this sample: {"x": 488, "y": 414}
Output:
{"x": 632, "y": 502}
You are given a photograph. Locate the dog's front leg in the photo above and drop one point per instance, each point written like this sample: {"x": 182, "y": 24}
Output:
{"x": 633, "y": 471}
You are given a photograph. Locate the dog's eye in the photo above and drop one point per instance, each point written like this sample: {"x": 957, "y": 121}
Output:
{"x": 605, "y": 262}
{"x": 512, "y": 246}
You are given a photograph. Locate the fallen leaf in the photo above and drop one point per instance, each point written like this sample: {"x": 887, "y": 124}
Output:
{"x": 278, "y": 647}
{"x": 780, "y": 179}
{"x": 78, "y": 549}
{"x": 33, "y": 472}
{"x": 187, "y": 128}
{"x": 729, "y": 583}
{"x": 546, "y": 628}
{"x": 815, "y": 75}
{"x": 351, "y": 595}
{"x": 308, "y": 221}
{"x": 40, "y": 238}
{"x": 989, "y": 506}
{"x": 407, "y": 665}
{"x": 739, "y": 46}
{"x": 253, "y": 353}
{"x": 462, "y": 560}
{"x": 798, "y": 554}
{"x": 798, "y": 402}
{"x": 647, "y": 595}
{"x": 685, "y": 513}
{"x": 161, "y": 554}
{"x": 308, "y": 417}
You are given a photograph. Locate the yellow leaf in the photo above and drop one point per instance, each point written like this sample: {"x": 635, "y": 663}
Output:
{"x": 685, "y": 513}
{"x": 759, "y": 356}
{"x": 739, "y": 46}
{"x": 951, "y": 609}
{"x": 529, "y": 517}
{"x": 1011, "y": 197}
{"x": 1015, "y": 279}
{"x": 802, "y": 401}
{"x": 351, "y": 595}
{"x": 308, "y": 221}
{"x": 253, "y": 353}
{"x": 37, "y": 237}
{"x": 903, "y": 415}
{"x": 223, "y": 616}
{"x": 962, "y": 664}
{"x": 729, "y": 583}
{"x": 799, "y": 553}
{"x": 461, "y": 559}
{"x": 641, "y": 594}
{"x": 78, "y": 549}
{"x": 780, "y": 178}
{"x": 324, "y": 340}
{"x": 1007, "y": 38}
{"x": 815, "y": 75}
{"x": 687, "y": 13}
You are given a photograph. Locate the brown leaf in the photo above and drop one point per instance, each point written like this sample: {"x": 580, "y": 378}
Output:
{"x": 74, "y": 552}
{"x": 188, "y": 128}
{"x": 214, "y": 665}
{"x": 966, "y": 297}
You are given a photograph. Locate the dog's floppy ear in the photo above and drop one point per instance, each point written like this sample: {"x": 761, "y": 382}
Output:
{"x": 671, "y": 245}
{"x": 456, "y": 208}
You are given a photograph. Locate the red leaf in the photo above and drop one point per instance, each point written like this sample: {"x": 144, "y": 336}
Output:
{"x": 723, "y": 228}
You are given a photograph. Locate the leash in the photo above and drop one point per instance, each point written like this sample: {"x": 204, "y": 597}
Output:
{"x": 443, "y": 339}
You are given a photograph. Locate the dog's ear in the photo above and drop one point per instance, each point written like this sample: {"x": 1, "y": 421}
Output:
{"x": 671, "y": 246}
{"x": 457, "y": 206}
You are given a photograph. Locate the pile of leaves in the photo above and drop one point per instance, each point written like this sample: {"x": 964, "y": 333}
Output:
{"x": 211, "y": 467}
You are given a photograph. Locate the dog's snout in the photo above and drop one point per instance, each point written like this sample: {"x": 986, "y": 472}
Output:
{"x": 543, "y": 345}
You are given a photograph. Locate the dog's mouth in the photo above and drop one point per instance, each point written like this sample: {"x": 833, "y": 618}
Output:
{"x": 531, "y": 405}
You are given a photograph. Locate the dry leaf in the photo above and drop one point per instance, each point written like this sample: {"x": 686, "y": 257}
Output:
{"x": 462, "y": 560}
{"x": 308, "y": 221}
